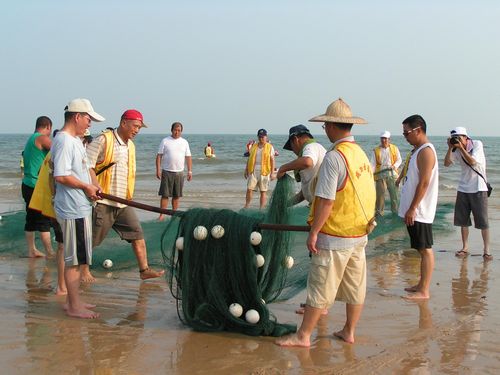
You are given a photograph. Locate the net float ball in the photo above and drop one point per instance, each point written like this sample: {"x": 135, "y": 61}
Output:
{"x": 108, "y": 263}
{"x": 288, "y": 262}
{"x": 217, "y": 231}
{"x": 255, "y": 238}
{"x": 179, "y": 243}
{"x": 252, "y": 316}
{"x": 236, "y": 310}
{"x": 259, "y": 260}
{"x": 200, "y": 233}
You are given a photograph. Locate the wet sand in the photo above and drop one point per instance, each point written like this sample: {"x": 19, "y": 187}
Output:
{"x": 456, "y": 332}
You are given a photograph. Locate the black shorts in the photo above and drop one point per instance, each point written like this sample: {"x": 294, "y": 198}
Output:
{"x": 171, "y": 184}
{"x": 420, "y": 235}
{"x": 35, "y": 221}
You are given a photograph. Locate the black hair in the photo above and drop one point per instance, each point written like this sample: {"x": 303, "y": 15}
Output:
{"x": 342, "y": 126}
{"x": 43, "y": 122}
{"x": 175, "y": 124}
{"x": 416, "y": 121}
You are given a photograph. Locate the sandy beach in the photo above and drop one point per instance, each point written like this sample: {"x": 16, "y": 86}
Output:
{"x": 139, "y": 331}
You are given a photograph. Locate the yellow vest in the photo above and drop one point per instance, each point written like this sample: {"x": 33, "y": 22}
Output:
{"x": 265, "y": 162}
{"x": 104, "y": 178}
{"x": 41, "y": 200}
{"x": 352, "y": 208}
{"x": 393, "y": 150}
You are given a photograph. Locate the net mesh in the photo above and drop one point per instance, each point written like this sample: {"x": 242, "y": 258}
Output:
{"x": 210, "y": 274}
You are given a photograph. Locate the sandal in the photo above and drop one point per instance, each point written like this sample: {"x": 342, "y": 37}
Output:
{"x": 487, "y": 257}
{"x": 461, "y": 254}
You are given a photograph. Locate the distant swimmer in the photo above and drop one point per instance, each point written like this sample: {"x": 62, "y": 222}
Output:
{"x": 209, "y": 151}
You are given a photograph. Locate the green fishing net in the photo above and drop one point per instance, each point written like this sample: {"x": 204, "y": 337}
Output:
{"x": 210, "y": 274}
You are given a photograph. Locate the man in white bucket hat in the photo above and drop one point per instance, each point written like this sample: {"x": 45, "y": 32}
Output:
{"x": 472, "y": 189}
{"x": 343, "y": 206}
{"x": 385, "y": 160}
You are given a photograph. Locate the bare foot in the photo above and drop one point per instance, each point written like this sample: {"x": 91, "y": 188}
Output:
{"x": 411, "y": 289}
{"x": 86, "y": 277}
{"x": 348, "y": 338}
{"x": 51, "y": 254}
{"x": 85, "y": 306}
{"x": 293, "y": 340}
{"x": 148, "y": 273}
{"x": 418, "y": 296}
{"x": 161, "y": 217}
{"x": 82, "y": 313}
{"x": 36, "y": 254}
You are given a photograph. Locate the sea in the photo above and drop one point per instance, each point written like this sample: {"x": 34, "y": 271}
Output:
{"x": 219, "y": 182}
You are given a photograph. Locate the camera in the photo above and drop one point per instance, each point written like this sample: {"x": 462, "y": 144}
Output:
{"x": 455, "y": 139}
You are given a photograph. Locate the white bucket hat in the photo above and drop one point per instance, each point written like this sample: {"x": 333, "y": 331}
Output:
{"x": 340, "y": 112}
{"x": 83, "y": 106}
{"x": 385, "y": 134}
{"x": 460, "y": 130}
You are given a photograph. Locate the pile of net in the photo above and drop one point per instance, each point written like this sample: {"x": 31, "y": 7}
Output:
{"x": 223, "y": 269}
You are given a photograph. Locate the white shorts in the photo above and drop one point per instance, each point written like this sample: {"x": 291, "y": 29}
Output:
{"x": 261, "y": 183}
{"x": 77, "y": 239}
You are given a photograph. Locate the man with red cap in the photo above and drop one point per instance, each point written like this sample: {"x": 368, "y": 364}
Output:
{"x": 112, "y": 161}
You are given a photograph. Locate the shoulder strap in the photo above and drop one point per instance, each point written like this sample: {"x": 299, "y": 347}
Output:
{"x": 480, "y": 175}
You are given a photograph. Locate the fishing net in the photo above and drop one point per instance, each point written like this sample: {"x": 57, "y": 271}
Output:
{"x": 208, "y": 274}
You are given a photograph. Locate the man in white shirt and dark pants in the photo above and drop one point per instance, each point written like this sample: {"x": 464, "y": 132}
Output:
{"x": 472, "y": 196}
{"x": 173, "y": 154}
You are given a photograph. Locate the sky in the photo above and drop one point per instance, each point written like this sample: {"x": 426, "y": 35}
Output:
{"x": 232, "y": 67}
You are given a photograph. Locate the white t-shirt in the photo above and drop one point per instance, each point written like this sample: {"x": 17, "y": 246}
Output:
{"x": 470, "y": 181}
{"x": 426, "y": 209}
{"x": 70, "y": 159}
{"x": 174, "y": 152}
{"x": 316, "y": 153}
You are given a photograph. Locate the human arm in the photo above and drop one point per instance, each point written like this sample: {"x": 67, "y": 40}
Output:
{"x": 90, "y": 190}
{"x": 448, "y": 158}
{"x": 425, "y": 163}
{"x": 298, "y": 164}
{"x": 322, "y": 209}
{"x": 158, "y": 166}
{"x": 398, "y": 161}
{"x": 189, "y": 162}
{"x": 43, "y": 142}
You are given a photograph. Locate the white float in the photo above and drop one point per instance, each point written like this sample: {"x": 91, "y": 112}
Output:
{"x": 217, "y": 231}
{"x": 179, "y": 243}
{"x": 236, "y": 310}
{"x": 255, "y": 238}
{"x": 252, "y": 316}
{"x": 200, "y": 233}
{"x": 259, "y": 260}
{"x": 108, "y": 263}
{"x": 288, "y": 262}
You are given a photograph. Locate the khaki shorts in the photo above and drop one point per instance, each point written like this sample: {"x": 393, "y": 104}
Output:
{"x": 124, "y": 221}
{"x": 261, "y": 183}
{"x": 337, "y": 275}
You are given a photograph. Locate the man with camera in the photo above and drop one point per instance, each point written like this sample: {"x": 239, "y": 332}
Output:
{"x": 472, "y": 191}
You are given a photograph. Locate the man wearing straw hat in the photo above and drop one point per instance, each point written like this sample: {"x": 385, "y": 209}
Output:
{"x": 340, "y": 219}
{"x": 385, "y": 160}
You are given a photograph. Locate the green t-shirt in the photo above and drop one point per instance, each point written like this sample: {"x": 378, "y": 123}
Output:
{"x": 33, "y": 158}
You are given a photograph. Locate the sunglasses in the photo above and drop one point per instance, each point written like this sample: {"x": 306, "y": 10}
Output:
{"x": 409, "y": 131}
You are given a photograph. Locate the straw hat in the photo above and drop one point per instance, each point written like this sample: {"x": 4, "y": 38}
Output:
{"x": 340, "y": 112}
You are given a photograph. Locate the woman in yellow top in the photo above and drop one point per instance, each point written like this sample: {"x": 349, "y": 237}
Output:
{"x": 209, "y": 151}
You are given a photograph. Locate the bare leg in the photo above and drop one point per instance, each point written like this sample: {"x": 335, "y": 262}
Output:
{"x": 426, "y": 268}
{"x": 33, "y": 252}
{"x": 485, "y": 233}
{"x": 139, "y": 247}
{"x": 86, "y": 276}
{"x": 47, "y": 243}
{"x": 380, "y": 200}
{"x": 248, "y": 198}
{"x": 175, "y": 203}
{"x": 465, "y": 238}
{"x": 76, "y": 308}
{"x": 303, "y": 336}
{"x": 353, "y": 313}
{"x": 263, "y": 198}
{"x": 163, "y": 204}
{"x": 61, "y": 289}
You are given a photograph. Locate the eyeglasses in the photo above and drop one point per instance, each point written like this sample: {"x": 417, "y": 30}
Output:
{"x": 409, "y": 131}
{"x": 86, "y": 115}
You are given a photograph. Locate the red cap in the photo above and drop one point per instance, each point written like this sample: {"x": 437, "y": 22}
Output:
{"x": 133, "y": 114}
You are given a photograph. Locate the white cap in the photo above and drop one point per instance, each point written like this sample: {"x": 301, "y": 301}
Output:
{"x": 460, "y": 130}
{"x": 385, "y": 134}
{"x": 83, "y": 106}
